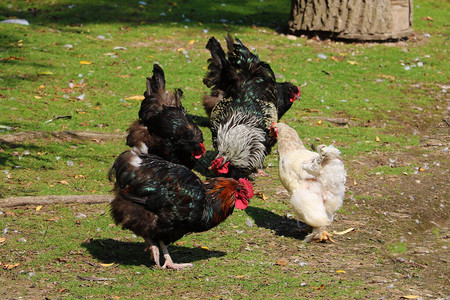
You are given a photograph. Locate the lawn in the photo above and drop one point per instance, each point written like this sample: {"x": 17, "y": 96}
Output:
{"x": 80, "y": 67}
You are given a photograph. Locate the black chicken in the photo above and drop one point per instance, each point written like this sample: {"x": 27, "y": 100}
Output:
{"x": 162, "y": 201}
{"x": 164, "y": 128}
{"x": 244, "y": 102}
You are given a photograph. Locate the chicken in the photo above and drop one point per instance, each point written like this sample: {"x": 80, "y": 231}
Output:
{"x": 314, "y": 181}
{"x": 220, "y": 76}
{"x": 242, "y": 105}
{"x": 162, "y": 201}
{"x": 164, "y": 128}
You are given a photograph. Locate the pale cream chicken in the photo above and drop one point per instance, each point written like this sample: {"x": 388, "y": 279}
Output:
{"x": 314, "y": 181}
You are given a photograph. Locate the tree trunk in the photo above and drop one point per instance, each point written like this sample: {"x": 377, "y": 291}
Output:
{"x": 352, "y": 19}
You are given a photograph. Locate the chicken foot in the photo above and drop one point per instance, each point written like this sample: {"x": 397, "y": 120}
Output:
{"x": 324, "y": 236}
{"x": 319, "y": 236}
{"x": 169, "y": 264}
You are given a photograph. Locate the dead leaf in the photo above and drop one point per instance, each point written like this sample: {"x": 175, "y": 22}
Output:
{"x": 191, "y": 42}
{"x": 180, "y": 243}
{"x": 281, "y": 262}
{"x": 352, "y": 62}
{"x": 9, "y": 214}
{"x": 377, "y": 138}
{"x": 334, "y": 58}
{"x": 107, "y": 265}
{"x": 410, "y": 297}
{"x": 52, "y": 220}
{"x": 38, "y": 208}
{"x": 200, "y": 246}
{"x": 37, "y": 97}
{"x": 124, "y": 76}
{"x": 12, "y": 58}
{"x": 63, "y": 182}
{"x": 340, "y": 271}
{"x": 45, "y": 73}
{"x": 79, "y": 176}
{"x": 59, "y": 259}
{"x": 388, "y": 76}
{"x": 137, "y": 98}
{"x": 319, "y": 122}
{"x": 2, "y": 240}
{"x": 319, "y": 288}
{"x": 10, "y": 266}
{"x": 85, "y": 62}
{"x": 262, "y": 196}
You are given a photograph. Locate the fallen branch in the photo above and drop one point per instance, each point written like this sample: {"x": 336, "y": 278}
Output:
{"x": 46, "y": 200}
{"x": 28, "y": 136}
{"x": 58, "y": 117}
{"x": 93, "y": 278}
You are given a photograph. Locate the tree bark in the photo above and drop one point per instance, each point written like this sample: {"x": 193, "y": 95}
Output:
{"x": 352, "y": 19}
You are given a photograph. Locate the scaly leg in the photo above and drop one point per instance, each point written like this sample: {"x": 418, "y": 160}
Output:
{"x": 155, "y": 250}
{"x": 169, "y": 263}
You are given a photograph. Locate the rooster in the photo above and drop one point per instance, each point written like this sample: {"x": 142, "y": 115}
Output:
{"x": 164, "y": 128}
{"x": 315, "y": 181}
{"x": 245, "y": 100}
{"x": 162, "y": 201}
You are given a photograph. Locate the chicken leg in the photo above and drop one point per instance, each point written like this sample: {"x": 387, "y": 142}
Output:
{"x": 169, "y": 264}
{"x": 155, "y": 250}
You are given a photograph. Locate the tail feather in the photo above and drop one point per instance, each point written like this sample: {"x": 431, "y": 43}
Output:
{"x": 217, "y": 64}
{"x": 156, "y": 96}
{"x": 329, "y": 170}
{"x": 157, "y": 82}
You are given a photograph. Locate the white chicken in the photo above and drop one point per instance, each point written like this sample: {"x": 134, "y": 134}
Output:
{"x": 314, "y": 181}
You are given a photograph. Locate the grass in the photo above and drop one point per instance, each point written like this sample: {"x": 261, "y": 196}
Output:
{"x": 92, "y": 246}
{"x": 66, "y": 63}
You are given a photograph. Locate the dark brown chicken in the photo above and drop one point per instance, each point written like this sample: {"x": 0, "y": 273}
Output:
{"x": 164, "y": 128}
{"x": 162, "y": 201}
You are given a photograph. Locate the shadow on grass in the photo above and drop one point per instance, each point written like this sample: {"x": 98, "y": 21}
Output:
{"x": 189, "y": 13}
{"x": 282, "y": 226}
{"x": 131, "y": 253}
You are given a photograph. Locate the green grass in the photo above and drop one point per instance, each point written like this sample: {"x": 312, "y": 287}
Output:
{"x": 397, "y": 248}
{"x": 90, "y": 246}
{"x": 90, "y": 81}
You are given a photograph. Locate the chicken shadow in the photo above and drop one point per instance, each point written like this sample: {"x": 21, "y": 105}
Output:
{"x": 132, "y": 253}
{"x": 282, "y": 226}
